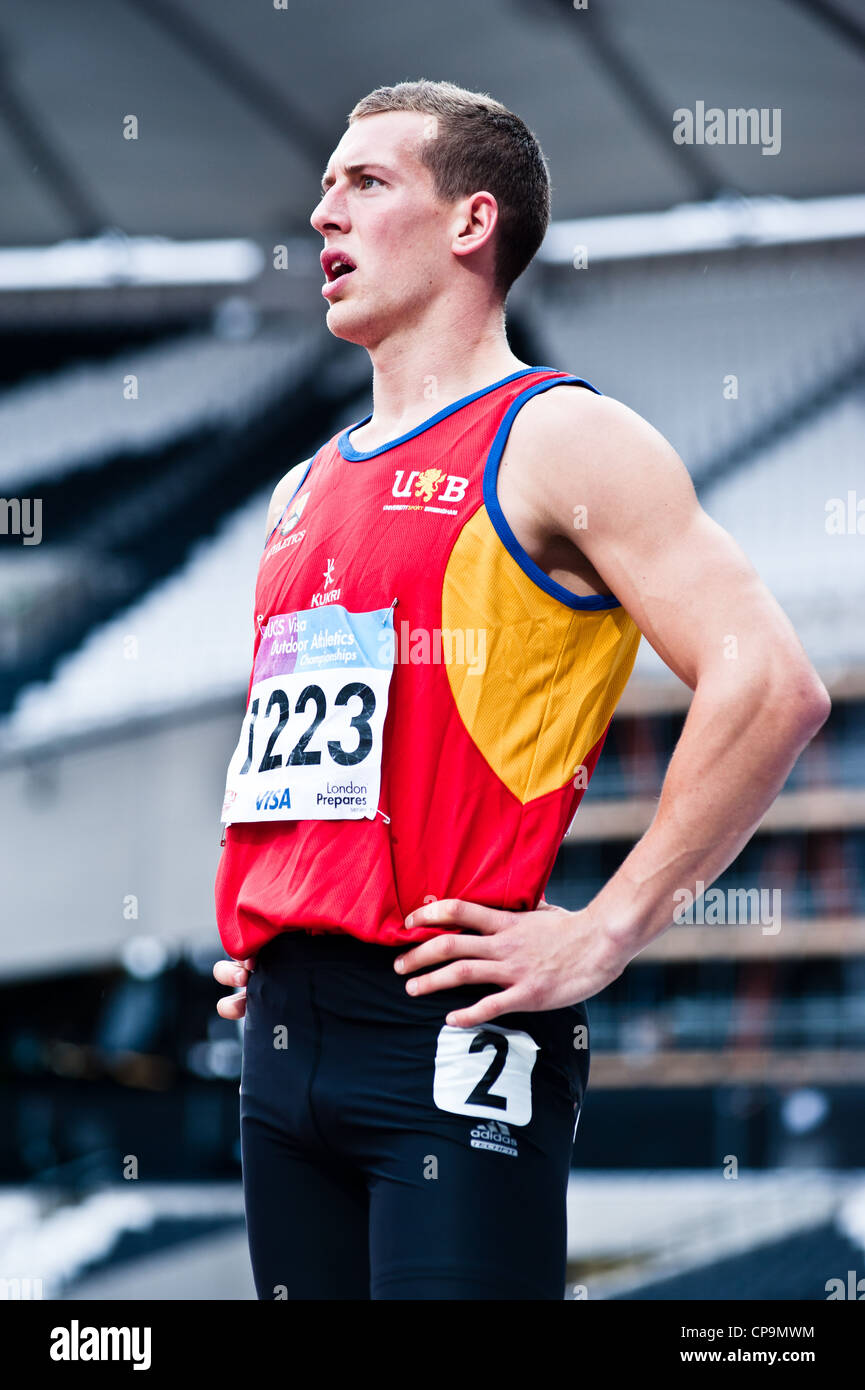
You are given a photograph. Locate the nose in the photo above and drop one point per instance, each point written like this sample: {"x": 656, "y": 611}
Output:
{"x": 328, "y": 216}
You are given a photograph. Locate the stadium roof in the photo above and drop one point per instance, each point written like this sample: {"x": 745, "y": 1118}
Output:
{"x": 238, "y": 107}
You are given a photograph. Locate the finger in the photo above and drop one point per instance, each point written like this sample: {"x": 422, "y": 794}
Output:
{"x": 232, "y": 1005}
{"x": 448, "y": 946}
{"x": 228, "y": 972}
{"x": 458, "y": 912}
{"x": 493, "y": 1006}
{"x": 460, "y": 972}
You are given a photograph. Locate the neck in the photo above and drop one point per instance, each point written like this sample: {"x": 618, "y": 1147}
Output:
{"x": 424, "y": 368}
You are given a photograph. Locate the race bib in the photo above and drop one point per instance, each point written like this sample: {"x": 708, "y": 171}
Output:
{"x": 311, "y": 740}
{"x": 485, "y": 1071}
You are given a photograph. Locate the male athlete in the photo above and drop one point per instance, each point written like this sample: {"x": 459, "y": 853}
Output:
{"x": 448, "y": 607}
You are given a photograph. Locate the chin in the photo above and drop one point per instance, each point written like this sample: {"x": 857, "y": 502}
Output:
{"x": 353, "y": 326}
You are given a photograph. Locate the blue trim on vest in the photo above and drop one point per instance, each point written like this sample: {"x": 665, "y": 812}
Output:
{"x": 292, "y": 497}
{"x": 353, "y": 455}
{"x": 497, "y": 516}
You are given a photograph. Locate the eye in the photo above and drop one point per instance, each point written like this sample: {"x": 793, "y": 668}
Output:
{"x": 364, "y": 177}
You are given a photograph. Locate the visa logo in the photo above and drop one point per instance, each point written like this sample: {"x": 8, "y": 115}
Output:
{"x": 271, "y": 801}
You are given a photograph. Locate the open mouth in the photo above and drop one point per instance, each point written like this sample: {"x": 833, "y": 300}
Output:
{"x": 336, "y": 265}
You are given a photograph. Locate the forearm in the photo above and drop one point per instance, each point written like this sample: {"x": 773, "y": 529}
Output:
{"x": 732, "y": 759}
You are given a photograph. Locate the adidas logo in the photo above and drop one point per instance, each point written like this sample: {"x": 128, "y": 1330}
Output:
{"x": 494, "y": 1135}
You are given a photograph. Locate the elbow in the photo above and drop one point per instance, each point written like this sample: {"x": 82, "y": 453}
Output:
{"x": 803, "y": 704}
{"x": 783, "y": 694}
{"x": 820, "y": 707}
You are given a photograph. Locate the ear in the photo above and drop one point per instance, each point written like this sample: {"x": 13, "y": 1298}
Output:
{"x": 479, "y": 215}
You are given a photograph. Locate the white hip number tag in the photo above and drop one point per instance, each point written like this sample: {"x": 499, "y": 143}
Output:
{"x": 485, "y": 1071}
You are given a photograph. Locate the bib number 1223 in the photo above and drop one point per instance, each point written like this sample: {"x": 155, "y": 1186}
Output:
{"x": 311, "y": 740}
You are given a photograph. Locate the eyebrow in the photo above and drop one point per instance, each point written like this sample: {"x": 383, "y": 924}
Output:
{"x": 328, "y": 179}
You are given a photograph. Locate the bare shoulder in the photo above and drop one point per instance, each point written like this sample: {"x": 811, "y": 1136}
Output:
{"x": 584, "y": 423}
{"x": 281, "y": 495}
{"x": 584, "y": 449}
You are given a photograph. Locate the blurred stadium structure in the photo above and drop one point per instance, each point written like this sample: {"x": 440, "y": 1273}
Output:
{"x": 151, "y": 407}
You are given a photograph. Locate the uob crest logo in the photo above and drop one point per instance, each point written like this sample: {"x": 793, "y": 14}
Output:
{"x": 426, "y": 485}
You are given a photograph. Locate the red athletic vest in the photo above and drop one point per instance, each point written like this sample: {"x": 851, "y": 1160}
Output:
{"x": 502, "y": 688}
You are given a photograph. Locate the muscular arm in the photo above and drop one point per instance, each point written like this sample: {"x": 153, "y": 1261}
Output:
{"x": 757, "y": 702}
{"x": 702, "y": 606}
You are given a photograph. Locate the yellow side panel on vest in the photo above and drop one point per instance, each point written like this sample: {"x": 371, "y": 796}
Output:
{"x": 535, "y": 681}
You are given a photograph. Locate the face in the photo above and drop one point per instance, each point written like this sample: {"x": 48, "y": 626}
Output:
{"x": 379, "y": 208}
